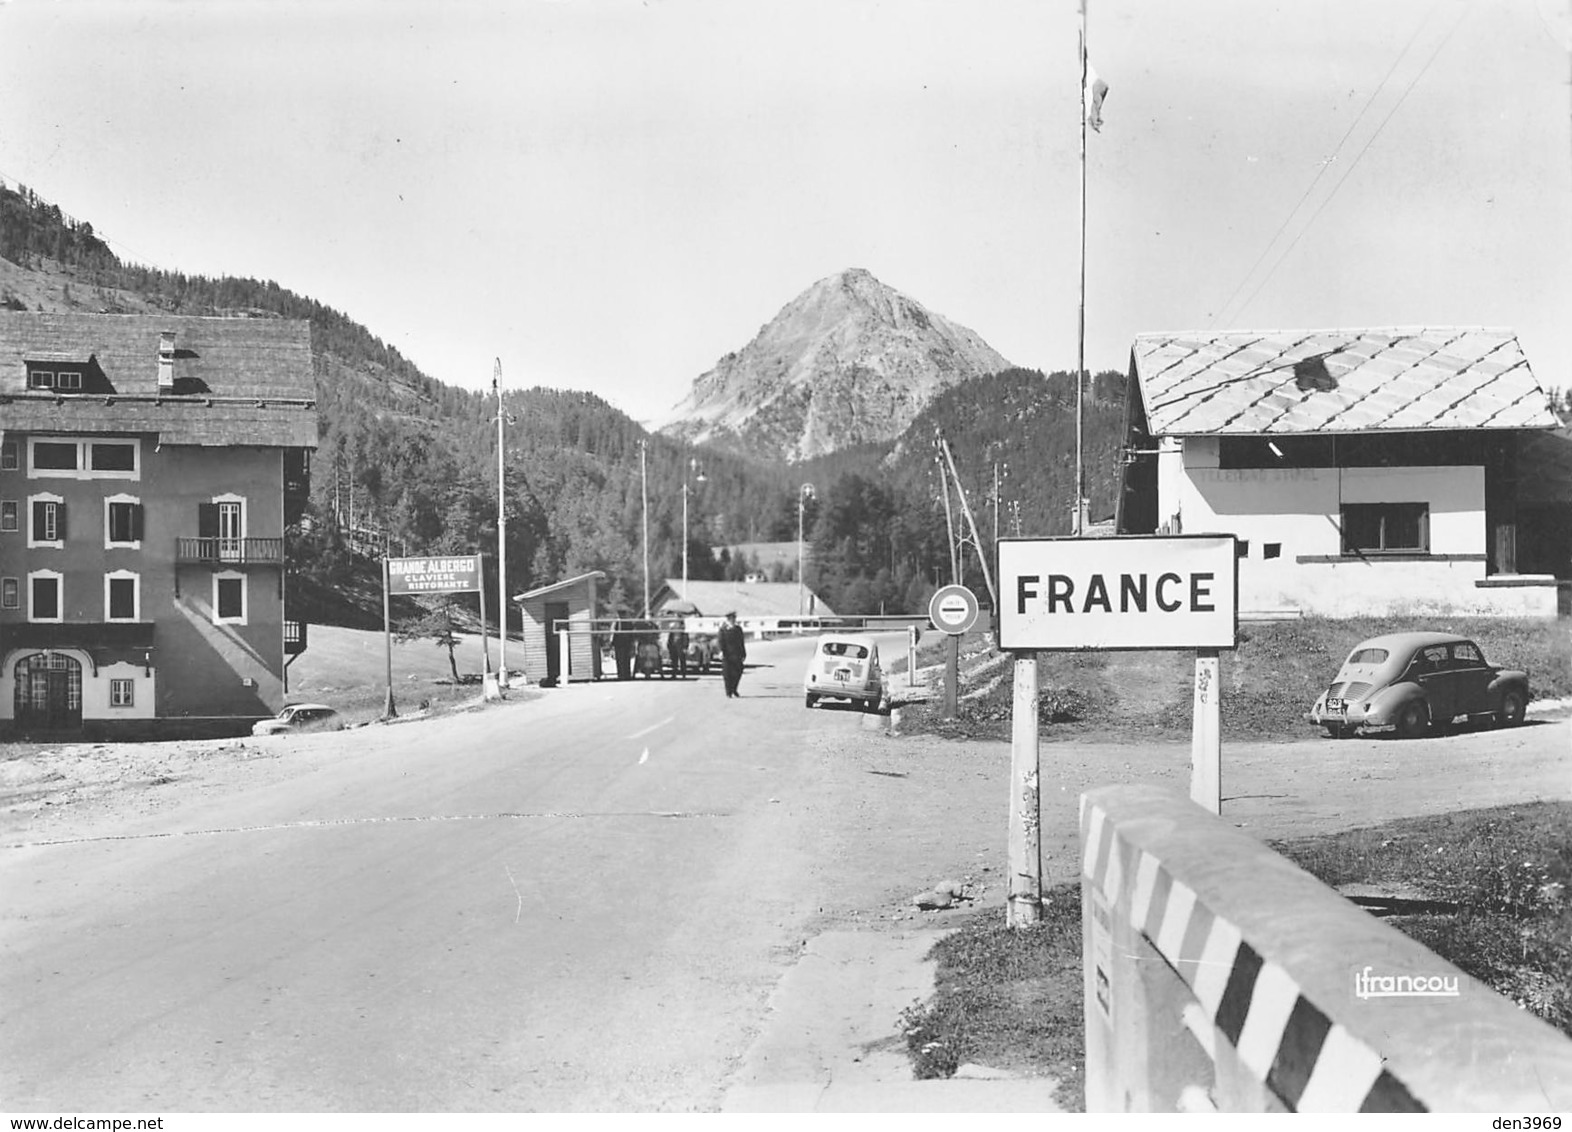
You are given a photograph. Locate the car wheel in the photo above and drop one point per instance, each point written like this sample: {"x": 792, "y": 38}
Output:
{"x": 811, "y": 699}
{"x": 1513, "y": 707}
{"x": 1413, "y": 721}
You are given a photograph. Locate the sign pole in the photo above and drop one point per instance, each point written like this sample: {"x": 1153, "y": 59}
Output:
{"x": 389, "y": 710}
{"x": 953, "y": 611}
{"x": 1024, "y": 908}
{"x": 485, "y": 644}
{"x": 1206, "y": 742}
{"x": 952, "y": 673}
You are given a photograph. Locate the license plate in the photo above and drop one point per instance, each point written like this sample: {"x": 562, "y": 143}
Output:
{"x": 1336, "y": 707}
{"x": 842, "y": 674}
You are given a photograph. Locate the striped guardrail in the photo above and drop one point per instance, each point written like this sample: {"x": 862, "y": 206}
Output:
{"x": 1221, "y": 976}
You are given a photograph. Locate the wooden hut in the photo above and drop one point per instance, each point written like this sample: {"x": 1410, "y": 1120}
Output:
{"x": 557, "y": 626}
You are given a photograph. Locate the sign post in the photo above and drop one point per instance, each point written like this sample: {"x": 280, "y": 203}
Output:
{"x": 406, "y": 576}
{"x": 953, "y": 611}
{"x": 1135, "y": 592}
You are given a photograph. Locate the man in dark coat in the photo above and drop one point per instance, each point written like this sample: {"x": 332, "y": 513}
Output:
{"x": 677, "y": 650}
{"x": 733, "y": 653}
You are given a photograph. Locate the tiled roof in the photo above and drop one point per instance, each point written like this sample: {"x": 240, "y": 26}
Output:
{"x": 746, "y": 599}
{"x": 236, "y": 380}
{"x": 1334, "y": 381}
{"x": 208, "y": 422}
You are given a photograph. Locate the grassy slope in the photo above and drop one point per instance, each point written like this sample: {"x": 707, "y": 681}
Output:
{"x": 1269, "y": 681}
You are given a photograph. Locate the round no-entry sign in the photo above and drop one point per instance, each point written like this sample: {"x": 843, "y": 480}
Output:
{"x": 953, "y": 610}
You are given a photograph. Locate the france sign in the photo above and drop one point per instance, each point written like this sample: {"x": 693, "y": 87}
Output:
{"x": 953, "y": 609}
{"x": 459, "y": 574}
{"x": 1135, "y": 592}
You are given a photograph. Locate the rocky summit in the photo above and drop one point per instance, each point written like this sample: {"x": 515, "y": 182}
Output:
{"x": 849, "y": 361}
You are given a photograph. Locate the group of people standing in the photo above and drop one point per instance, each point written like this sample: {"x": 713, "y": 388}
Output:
{"x": 634, "y": 638}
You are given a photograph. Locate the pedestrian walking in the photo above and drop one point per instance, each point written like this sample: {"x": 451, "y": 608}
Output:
{"x": 733, "y": 652}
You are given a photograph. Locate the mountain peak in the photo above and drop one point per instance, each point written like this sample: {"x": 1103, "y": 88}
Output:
{"x": 848, "y": 361}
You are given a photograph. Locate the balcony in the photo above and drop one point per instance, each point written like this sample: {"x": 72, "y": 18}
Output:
{"x": 294, "y": 637}
{"x": 230, "y": 551}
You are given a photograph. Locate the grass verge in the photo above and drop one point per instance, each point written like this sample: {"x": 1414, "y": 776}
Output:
{"x": 1012, "y": 999}
{"x": 1269, "y": 681}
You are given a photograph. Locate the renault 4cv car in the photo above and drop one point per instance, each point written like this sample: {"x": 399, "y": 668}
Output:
{"x": 1408, "y": 683}
{"x": 845, "y": 666}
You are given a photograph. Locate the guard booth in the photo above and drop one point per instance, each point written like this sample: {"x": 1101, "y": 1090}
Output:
{"x": 558, "y": 643}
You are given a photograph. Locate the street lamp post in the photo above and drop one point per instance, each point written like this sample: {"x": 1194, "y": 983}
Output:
{"x": 644, "y": 491}
{"x": 698, "y": 477}
{"x": 802, "y": 501}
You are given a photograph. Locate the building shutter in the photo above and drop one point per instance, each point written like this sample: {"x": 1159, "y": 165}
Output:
{"x": 40, "y": 510}
{"x": 207, "y": 520}
{"x": 60, "y": 521}
{"x": 136, "y": 522}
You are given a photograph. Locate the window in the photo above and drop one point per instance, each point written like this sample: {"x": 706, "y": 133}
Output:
{"x": 122, "y": 693}
{"x": 44, "y": 596}
{"x": 224, "y": 520}
{"x": 229, "y": 598}
{"x": 10, "y": 593}
{"x": 121, "y": 596}
{"x": 122, "y": 521}
{"x": 55, "y": 455}
{"x": 117, "y": 456}
{"x": 1271, "y": 550}
{"x": 84, "y": 459}
{"x": 1386, "y": 528}
{"x": 1467, "y": 654}
{"x": 8, "y": 456}
{"x": 69, "y": 379}
{"x": 10, "y": 515}
{"x": 41, "y": 379}
{"x": 48, "y": 528}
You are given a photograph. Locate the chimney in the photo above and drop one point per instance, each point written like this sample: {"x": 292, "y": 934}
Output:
{"x": 166, "y": 361}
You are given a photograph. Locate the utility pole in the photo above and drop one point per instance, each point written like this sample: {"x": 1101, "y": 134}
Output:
{"x": 693, "y": 466}
{"x": 502, "y": 538}
{"x": 644, "y": 490}
{"x": 802, "y": 501}
{"x": 949, "y": 520}
{"x": 966, "y": 511}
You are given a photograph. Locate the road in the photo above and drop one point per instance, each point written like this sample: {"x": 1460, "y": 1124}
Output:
{"x": 576, "y": 903}
{"x": 581, "y": 901}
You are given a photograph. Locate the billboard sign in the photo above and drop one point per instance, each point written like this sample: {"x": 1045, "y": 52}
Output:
{"x": 434, "y": 575}
{"x": 1137, "y": 592}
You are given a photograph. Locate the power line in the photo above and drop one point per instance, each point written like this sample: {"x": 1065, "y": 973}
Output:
{"x": 1325, "y": 165}
{"x": 1357, "y": 158}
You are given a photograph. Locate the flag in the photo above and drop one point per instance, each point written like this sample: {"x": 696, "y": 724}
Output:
{"x": 1092, "y": 98}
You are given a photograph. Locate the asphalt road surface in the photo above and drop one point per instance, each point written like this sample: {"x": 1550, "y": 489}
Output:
{"x": 576, "y": 903}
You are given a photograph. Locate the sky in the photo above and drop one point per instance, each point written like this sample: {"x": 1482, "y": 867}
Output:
{"x": 610, "y": 195}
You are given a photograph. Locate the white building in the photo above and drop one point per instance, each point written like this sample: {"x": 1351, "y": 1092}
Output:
{"x": 1363, "y": 471}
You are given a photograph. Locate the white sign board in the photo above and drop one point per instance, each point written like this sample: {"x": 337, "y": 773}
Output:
{"x": 1137, "y": 592}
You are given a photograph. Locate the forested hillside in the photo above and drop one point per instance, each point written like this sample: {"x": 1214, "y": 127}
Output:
{"x": 410, "y": 463}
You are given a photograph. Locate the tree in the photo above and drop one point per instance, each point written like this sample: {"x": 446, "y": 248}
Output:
{"x": 438, "y": 625}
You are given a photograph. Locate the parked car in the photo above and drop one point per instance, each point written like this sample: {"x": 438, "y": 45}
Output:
{"x": 300, "y": 717}
{"x": 703, "y": 650}
{"x": 845, "y": 666}
{"x": 1409, "y": 682}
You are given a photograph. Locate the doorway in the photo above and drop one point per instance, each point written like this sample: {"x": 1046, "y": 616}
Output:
{"x": 48, "y": 692}
{"x": 556, "y": 634}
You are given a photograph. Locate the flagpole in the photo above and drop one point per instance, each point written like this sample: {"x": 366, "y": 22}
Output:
{"x": 1079, "y": 522}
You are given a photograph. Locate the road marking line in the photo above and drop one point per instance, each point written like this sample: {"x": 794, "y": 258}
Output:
{"x": 516, "y": 892}
{"x": 653, "y": 727}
